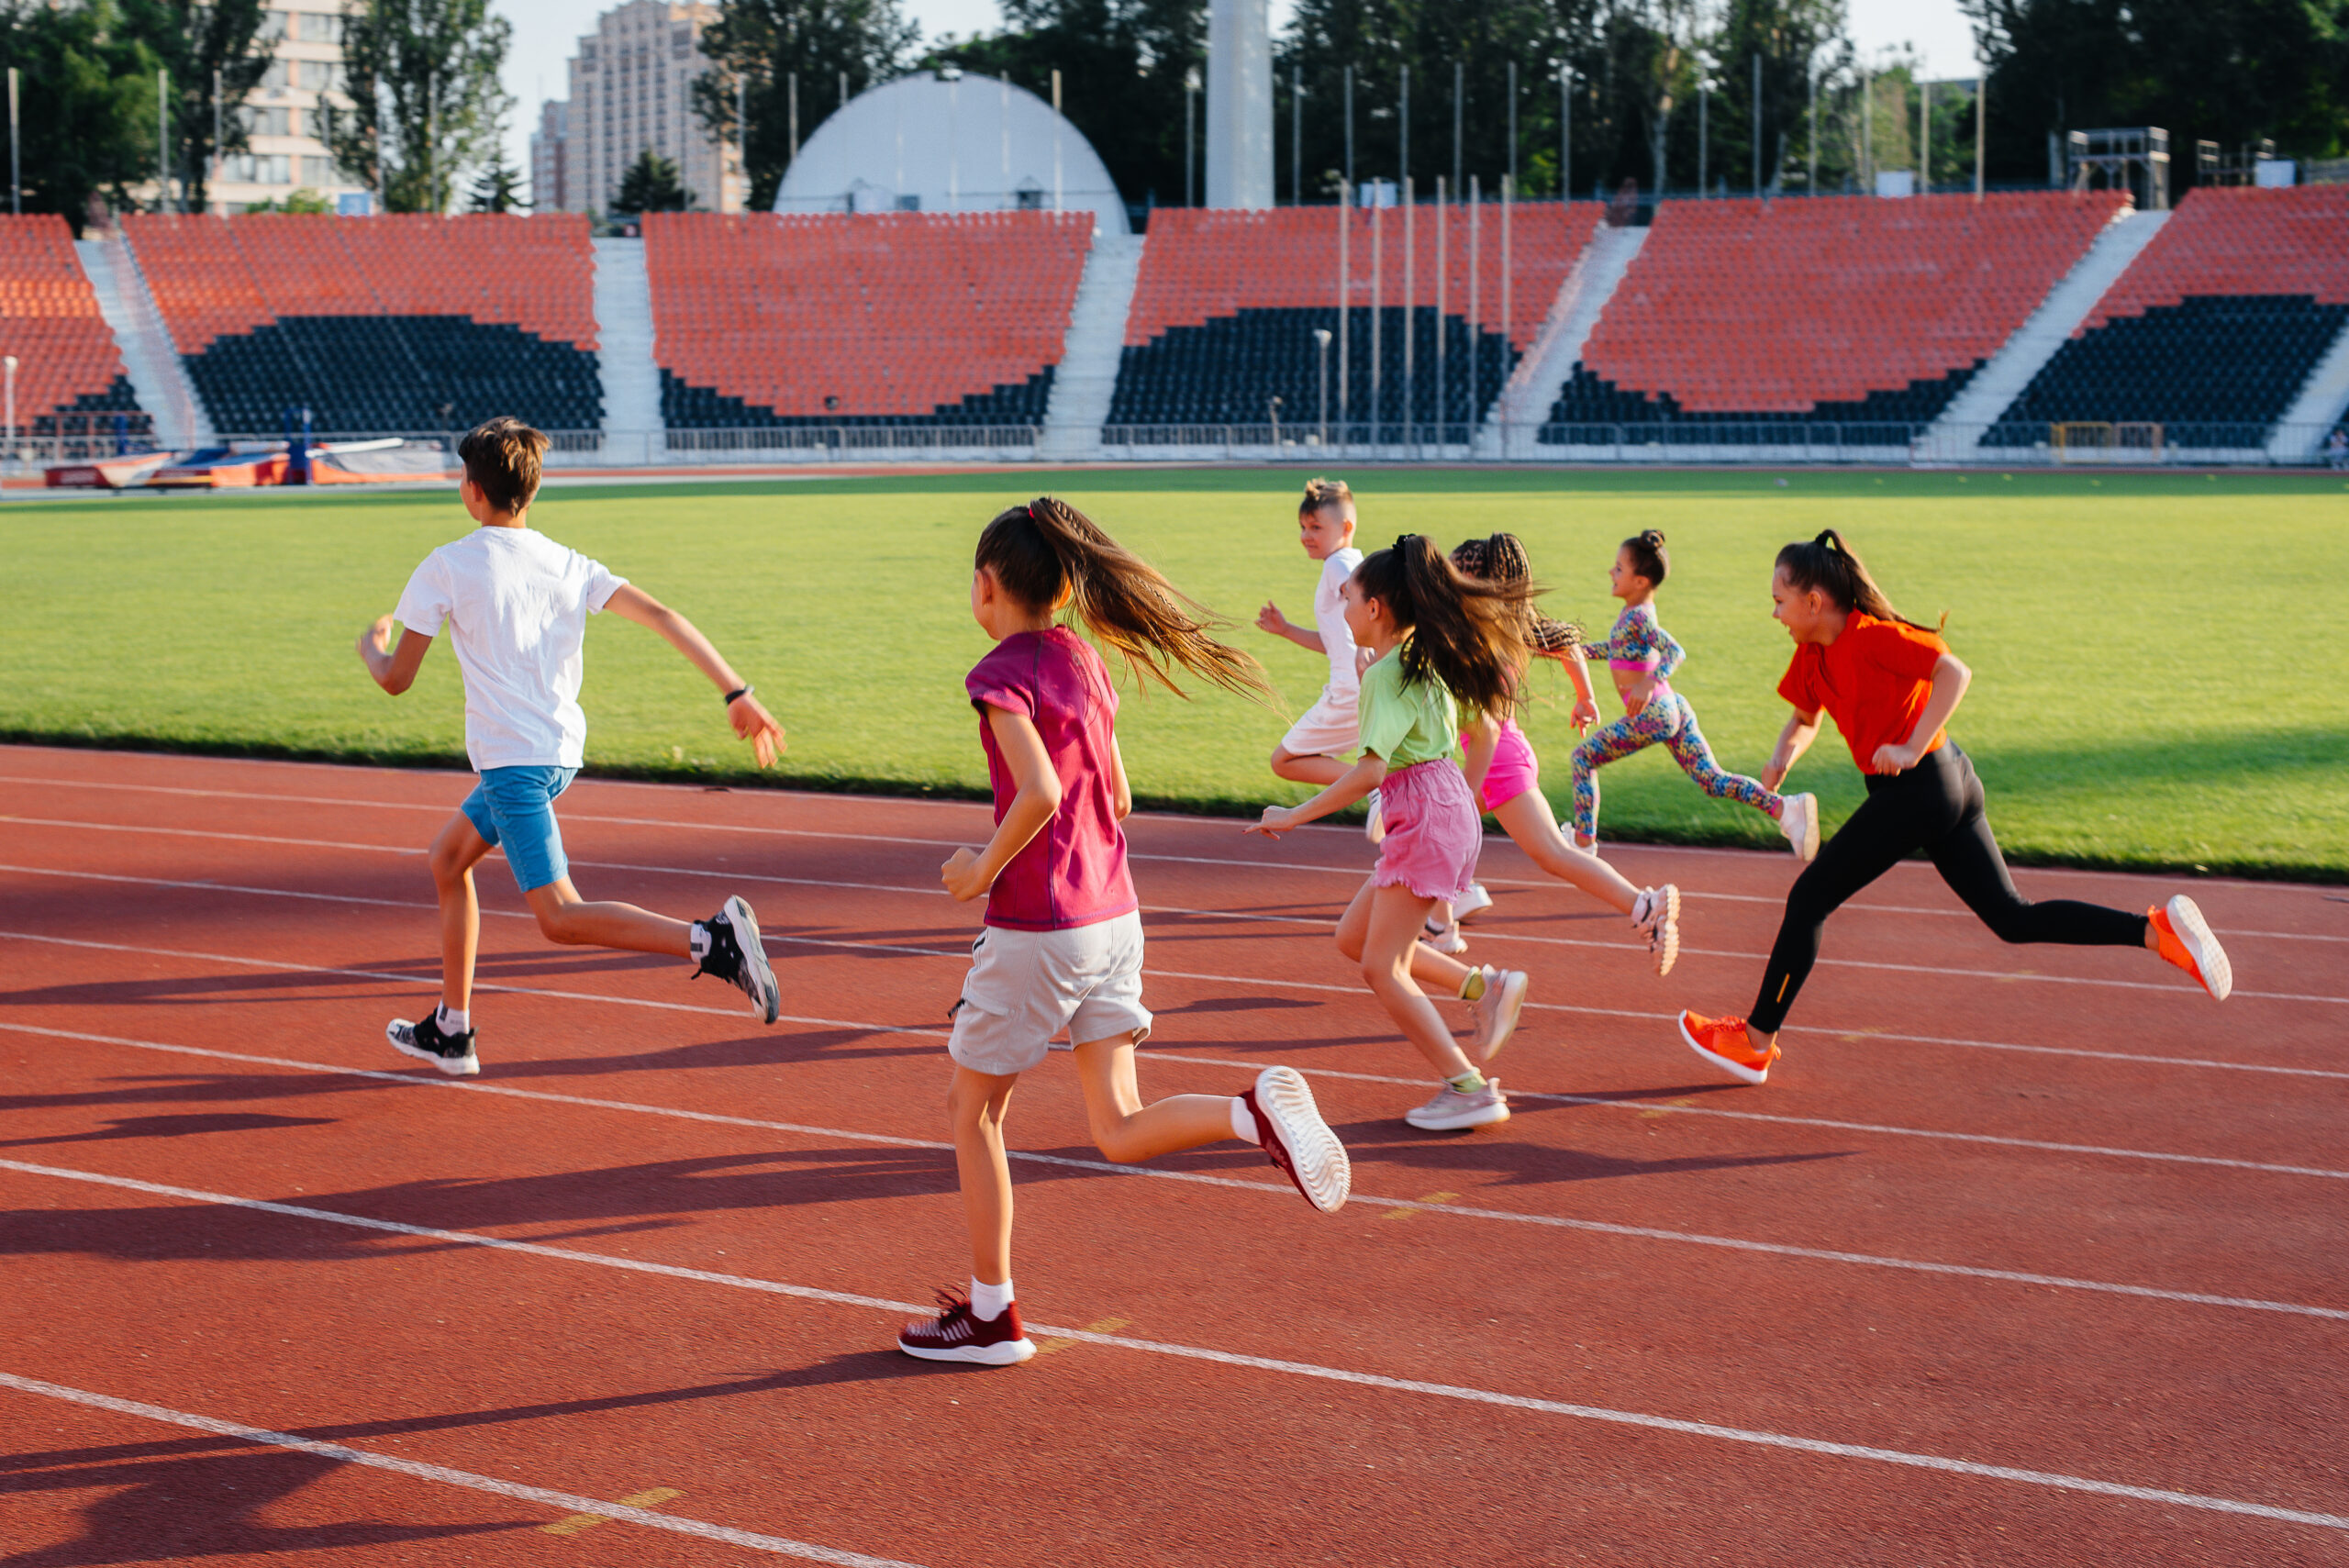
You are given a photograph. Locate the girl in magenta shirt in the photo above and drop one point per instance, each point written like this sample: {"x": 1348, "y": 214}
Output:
{"x": 1063, "y": 944}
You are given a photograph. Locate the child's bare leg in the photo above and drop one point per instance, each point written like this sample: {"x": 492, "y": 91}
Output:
{"x": 564, "y": 917}
{"x": 1315, "y": 770}
{"x": 1392, "y": 933}
{"x": 1527, "y": 821}
{"x": 1126, "y": 1130}
{"x": 1428, "y": 967}
{"x": 975, "y": 1104}
{"x": 456, "y": 850}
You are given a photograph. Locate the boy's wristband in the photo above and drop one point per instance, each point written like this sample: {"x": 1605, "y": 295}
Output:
{"x": 739, "y": 692}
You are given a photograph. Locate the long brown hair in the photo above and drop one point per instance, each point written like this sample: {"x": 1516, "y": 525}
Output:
{"x": 1046, "y": 546}
{"x": 1467, "y": 634}
{"x": 1827, "y": 564}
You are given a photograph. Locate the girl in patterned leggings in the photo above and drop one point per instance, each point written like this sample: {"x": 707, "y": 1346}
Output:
{"x": 1642, "y": 657}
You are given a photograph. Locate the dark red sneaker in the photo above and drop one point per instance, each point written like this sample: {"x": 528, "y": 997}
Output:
{"x": 1290, "y": 1128}
{"x": 955, "y": 1336}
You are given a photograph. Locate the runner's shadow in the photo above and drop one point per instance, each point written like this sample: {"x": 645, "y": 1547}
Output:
{"x": 1521, "y": 1165}
{"x": 175, "y": 1127}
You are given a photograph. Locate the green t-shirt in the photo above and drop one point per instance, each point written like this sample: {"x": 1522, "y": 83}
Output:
{"x": 1406, "y": 721}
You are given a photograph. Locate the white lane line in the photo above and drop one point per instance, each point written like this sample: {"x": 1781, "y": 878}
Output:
{"x": 563, "y": 1502}
{"x": 1311, "y": 829}
{"x": 1228, "y": 1358}
{"x": 1998, "y": 975}
{"x": 607, "y": 999}
{"x": 2136, "y": 1058}
{"x": 954, "y": 843}
{"x": 1277, "y": 1190}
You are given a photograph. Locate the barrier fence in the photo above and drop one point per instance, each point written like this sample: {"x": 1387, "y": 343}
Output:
{"x": 1727, "y": 442}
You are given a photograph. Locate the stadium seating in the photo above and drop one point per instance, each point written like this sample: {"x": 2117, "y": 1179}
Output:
{"x": 408, "y": 323}
{"x": 762, "y": 319}
{"x": 1228, "y": 302}
{"x": 1851, "y": 309}
{"x": 69, "y": 373}
{"x": 2214, "y": 327}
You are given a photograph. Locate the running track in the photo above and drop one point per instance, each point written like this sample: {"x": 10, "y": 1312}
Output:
{"x": 2024, "y": 1255}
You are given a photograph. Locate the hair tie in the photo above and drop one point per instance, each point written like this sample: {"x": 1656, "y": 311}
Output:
{"x": 1403, "y": 540}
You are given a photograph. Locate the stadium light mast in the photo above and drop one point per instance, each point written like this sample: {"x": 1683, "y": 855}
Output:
{"x": 1565, "y": 133}
{"x": 1321, "y": 343}
{"x": 1349, "y": 94}
{"x": 1981, "y": 116}
{"x": 162, "y": 139}
{"x": 1754, "y": 129}
{"x": 1704, "y": 133}
{"x": 1297, "y": 134}
{"x": 1811, "y": 144}
{"x": 1410, "y": 305}
{"x": 1190, "y": 137}
{"x": 1924, "y": 137}
{"x": 1056, "y": 138}
{"x": 15, "y": 181}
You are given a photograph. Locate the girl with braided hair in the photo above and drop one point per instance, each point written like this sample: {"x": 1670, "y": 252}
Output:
{"x": 1506, "y": 778}
{"x": 1062, "y": 948}
{"x": 1442, "y": 644}
{"x": 1891, "y": 684}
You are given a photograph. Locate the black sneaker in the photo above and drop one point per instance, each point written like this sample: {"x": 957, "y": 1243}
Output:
{"x": 453, "y": 1053}
{"x": 738, "y": 957}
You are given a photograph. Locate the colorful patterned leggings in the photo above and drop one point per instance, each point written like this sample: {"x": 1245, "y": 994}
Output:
{"x": 1669, "y": 719}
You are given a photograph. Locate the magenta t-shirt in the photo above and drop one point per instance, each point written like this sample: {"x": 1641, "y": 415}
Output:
{"x": 1072, "y": 873}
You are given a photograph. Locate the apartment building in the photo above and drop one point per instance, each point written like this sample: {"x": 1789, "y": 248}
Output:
{"x": 281, "y": 117}
{"x": 631, "y": 89}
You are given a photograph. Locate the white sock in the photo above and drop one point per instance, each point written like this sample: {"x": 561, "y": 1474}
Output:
{"x": 454, "y": 1022}
{"x": 987, "y": 1301}
{"x": 1243, "y": 1120}
{"x": 698, "y": 939}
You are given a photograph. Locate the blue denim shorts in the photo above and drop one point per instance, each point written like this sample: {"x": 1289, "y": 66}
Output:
{"x": 514, "y": 808}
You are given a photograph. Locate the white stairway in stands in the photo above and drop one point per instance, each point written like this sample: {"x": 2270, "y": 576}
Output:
{"x": 1541, "y": 376}
{"x": 2024, "y": 355}
{"x": 148, "y": 359}
{"x": 1087, "y": 375}
{"x": 2324, "y": 403}
{"x": 632, "y": 427}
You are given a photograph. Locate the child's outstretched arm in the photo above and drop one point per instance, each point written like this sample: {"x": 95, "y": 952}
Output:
{"x": 1270, "y": 619}
{"x": 1585, "y": 709}
{"x": 1801, "y": 729}
{"x": 750, "y": 717}
{"x": 1353, "y": 784}
{"x": 1036, "y": 796}
{"x": 394, "y": 669}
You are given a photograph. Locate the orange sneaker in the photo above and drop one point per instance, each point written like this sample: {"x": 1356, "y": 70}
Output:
{"x": 2186, "y": 942}
{"x": 1725, "y": 1044}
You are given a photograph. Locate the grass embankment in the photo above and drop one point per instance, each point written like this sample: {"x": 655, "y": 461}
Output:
{"x": 2160, "y": 676}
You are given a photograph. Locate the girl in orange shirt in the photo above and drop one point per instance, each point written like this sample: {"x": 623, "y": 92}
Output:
{"x": 1890, "y": 685}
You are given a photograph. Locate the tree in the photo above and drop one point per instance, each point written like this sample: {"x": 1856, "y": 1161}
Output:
{"x": 499, "y": 189}
{"x": 194, "y": 42}
{"x": 424, "y": 99}
{"x": 88, "y": 107}
{"x": 303, "y": 200}
{"x": 763, "y": 43}
{"x": 1123, "y": 65}
{"x": 650, "y": 185}
{"x": 2225, "y": 71}
{"x": 1793, "y": 38}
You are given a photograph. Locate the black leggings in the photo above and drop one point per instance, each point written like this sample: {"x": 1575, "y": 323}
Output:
{"x": 1935, "y": 806}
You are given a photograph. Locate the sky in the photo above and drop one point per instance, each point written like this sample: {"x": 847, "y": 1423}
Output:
{"x": 546, "y": 33}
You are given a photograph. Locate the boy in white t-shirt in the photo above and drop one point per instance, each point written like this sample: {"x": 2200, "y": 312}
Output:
{"x": 515, "y": 606}
{"x": 1319, "y": 747}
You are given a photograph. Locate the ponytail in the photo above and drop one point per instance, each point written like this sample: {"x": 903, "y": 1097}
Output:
{"x": 1047, "y": 548}
{"x": 1467, "y": 634}
{"x": 1501, "y": 558}
{"x": 1827, "y": 564}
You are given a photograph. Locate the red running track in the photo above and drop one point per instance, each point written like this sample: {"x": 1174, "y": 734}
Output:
{"x": 2024, "y": 1255}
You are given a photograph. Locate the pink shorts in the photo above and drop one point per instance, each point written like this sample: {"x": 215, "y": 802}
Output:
{"x": 1432, "y": 831}
{"x": 1514, "y": 768}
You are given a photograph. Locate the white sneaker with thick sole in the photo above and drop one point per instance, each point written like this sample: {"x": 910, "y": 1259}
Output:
{"x": 1444, "y": 939}
{"x": 1471, "y": 904}
{"x": 1451, "y": 1110}
{"x": 1290, "y": 1131}
{"x": 1656, "y": 914}
{"x": 1798, "y": 820}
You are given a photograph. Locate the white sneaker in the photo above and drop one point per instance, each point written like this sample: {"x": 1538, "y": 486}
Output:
{"x": 1471, "y": 904}
{"x": 1443, "y": 939}
{"x": 1373, "y": 826}
{"x": 1656, "y": 914}
{"x": 1798, "y": 820}
{"x": 1451, "y": 1109}
{"x": 1494, "y": 1014}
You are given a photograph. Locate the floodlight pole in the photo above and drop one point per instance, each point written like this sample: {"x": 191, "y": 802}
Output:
{"x": 1754, "y": 129}
{"x": 215, "y": 129}
{"x": 162, "y": 139}
{"x": 1190, "y": 138}
{"x": 1056, "y": 140}
{"x": 1704, "y": 135}
{"x": 1410, "y": 308}
{"x": 16, "y": 183}
{"x": 1297, "y": 134}
{"x": 1349, "y": 77}
{"x": 1565, "y": 133}
{"x": 791, "y": 100}
{"x": 1512, "y": 123}
{"x": 1321, "y": 343}
{"x": 1981, "y": 117}
{"x": 1924, "y": 137}
{"x": 1810, "y": 176}
{"x": 1345, "y": 299}
{"x": 1403, "y": 154}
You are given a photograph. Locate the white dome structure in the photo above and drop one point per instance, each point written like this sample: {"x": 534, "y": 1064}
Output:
{"x": 948, "y": 142}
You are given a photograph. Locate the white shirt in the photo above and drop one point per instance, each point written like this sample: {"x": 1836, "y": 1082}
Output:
{"x": 1330, "y": 616}
{"x": 517, "y": 605}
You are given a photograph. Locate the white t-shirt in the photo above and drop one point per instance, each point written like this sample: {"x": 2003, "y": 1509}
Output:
{"x": 517, "y": 604}
{"x": 1330, "y": 616}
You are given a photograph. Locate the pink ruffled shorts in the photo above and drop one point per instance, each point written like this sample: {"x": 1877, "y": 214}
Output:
{"x": 1514, "y": 768}
{"x": 1433, "y": 833}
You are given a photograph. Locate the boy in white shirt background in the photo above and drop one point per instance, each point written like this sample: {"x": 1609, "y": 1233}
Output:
{"x": 1320, "y": 747}
{"x": 515, "y": 606}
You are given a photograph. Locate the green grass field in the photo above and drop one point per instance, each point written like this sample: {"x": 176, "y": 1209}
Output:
{"x": 2160, "y": 675}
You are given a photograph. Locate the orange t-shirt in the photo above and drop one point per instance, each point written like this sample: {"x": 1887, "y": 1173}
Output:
{"x": 1874, "y": 679}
